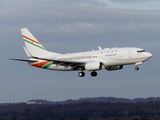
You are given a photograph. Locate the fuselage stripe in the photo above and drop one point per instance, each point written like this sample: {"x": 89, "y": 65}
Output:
{"x": 46, "y": 66}
{"x": 40, "y": 64}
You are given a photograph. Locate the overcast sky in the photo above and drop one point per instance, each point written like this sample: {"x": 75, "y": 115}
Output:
{"x": 72, "y": 26}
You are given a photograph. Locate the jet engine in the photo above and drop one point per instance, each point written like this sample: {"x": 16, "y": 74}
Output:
{"x": 117, "y": 67}
{"x": 91, "y": 66}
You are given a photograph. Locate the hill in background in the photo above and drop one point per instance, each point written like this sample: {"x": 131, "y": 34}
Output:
{"x": 97, "y": 100}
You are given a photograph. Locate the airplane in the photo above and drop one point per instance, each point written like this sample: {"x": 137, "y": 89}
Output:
{"x": 94, "y": 60}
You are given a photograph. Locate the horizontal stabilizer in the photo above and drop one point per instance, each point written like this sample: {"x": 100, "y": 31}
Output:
{"x": 23, "y": 60}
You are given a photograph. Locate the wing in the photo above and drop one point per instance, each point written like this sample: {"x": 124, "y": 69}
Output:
{"x": 76, "y": 65}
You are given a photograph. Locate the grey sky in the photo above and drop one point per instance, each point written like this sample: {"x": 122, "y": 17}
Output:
{"x": 134, "y": 4}
{"x": 71, "y": 26}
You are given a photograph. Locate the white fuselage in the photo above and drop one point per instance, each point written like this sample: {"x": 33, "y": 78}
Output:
{"x": 108, "y": 56}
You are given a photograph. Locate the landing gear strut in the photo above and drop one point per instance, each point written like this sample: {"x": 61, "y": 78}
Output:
{"x": 94, "y": 74}
{"x": 81, "y": 74}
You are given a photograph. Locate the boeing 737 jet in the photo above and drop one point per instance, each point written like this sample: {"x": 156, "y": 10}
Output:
{"x": 107, "y": 58}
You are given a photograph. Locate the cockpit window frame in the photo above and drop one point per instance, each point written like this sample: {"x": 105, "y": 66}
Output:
{"x": 140, "y": 51}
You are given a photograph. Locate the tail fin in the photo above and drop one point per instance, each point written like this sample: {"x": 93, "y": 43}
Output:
{"x": 33, "y": 46}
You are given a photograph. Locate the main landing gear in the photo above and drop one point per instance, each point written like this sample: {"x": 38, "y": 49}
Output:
{"x": 94, "y": 74}
{"x": 82, "y": 74}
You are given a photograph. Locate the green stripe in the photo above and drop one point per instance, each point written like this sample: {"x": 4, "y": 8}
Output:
{"x": 34, "y": 44}
{"x": 47, "y": 65}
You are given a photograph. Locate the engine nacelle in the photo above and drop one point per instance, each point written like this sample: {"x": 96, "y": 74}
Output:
{"x": 117, "y": 67}
{"x": 90, "y": 66}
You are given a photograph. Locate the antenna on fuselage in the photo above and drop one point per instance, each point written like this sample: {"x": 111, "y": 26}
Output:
{"x": 99, "y": 47}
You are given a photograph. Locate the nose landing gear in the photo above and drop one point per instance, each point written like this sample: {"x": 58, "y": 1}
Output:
{"x": 136, "y": 68}
{"x": 137, "y": 64}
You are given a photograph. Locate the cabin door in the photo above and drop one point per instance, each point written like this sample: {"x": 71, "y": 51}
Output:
{"x": 130, "y": 53}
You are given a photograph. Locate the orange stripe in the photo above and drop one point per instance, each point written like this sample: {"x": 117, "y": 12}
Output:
{"x": 31, "y": 39}
{"x": 40, "y": 64}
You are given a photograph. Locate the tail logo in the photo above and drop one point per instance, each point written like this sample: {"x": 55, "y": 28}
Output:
{"x": 33, "y": 42}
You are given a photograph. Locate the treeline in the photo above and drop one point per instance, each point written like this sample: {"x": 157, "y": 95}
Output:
{"x": 98, "y": 99}
{"x": 82, "y": 111}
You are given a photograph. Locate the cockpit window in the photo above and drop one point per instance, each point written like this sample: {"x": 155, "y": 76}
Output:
{"x": 140, "y": 51}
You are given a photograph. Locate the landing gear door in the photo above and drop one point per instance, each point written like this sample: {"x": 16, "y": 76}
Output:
{"x": 130, "y": 53}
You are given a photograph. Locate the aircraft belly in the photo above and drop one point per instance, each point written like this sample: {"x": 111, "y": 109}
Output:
{"x": 50, "y": 66}
{"x": 60, "y": 68}
{"x": 113, "y": 61}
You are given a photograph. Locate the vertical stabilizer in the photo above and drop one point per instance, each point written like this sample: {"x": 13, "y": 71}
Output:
{"x": 33, "y": 46}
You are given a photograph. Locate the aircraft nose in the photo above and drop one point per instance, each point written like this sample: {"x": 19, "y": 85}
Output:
{"x": 148, "y": 55}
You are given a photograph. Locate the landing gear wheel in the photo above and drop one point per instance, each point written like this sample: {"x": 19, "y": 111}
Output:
{"x": 136, "y": 68}
{"x": 81, "y": 74}
{"x": 94, "y": 74}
